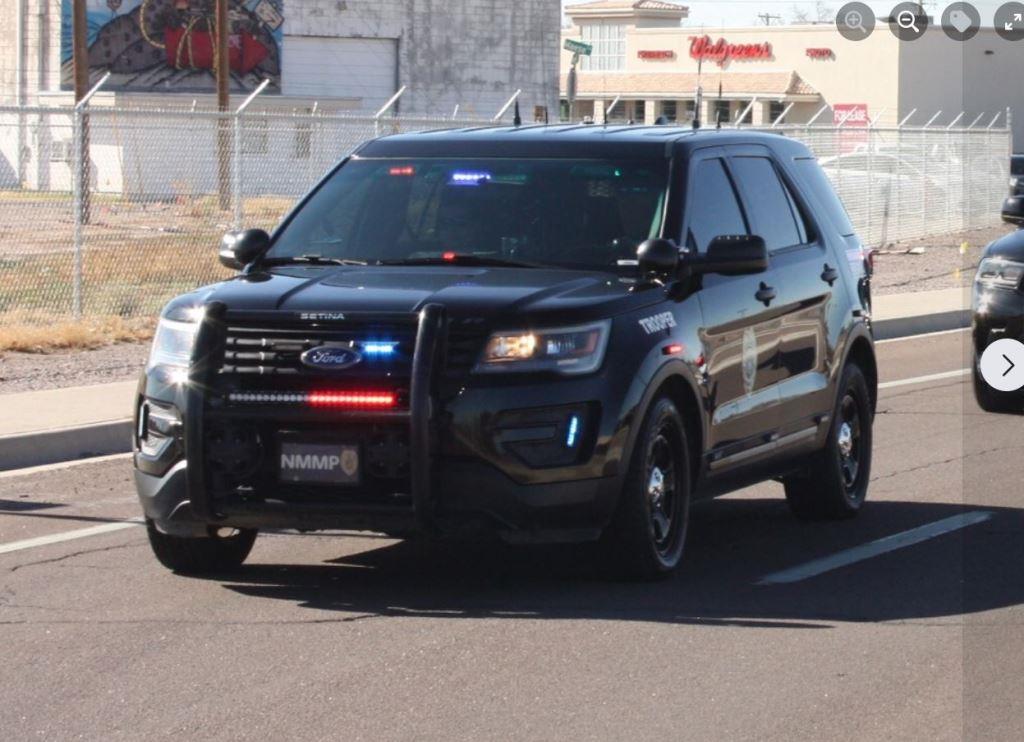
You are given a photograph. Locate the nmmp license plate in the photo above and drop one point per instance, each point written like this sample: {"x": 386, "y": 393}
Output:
{"x": 319, "y": 463}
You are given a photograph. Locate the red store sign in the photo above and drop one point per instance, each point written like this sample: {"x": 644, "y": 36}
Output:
{"x": 656, "y": 54}
{"x": 850, "y": 114}
{"x": 721, "y": 51}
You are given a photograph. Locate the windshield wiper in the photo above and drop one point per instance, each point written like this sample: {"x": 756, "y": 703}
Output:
{"x": 471, "y": 260}
{"x": 312, "y": 260}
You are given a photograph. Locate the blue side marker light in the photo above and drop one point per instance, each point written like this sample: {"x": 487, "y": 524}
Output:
{"x": 574, "y": 429}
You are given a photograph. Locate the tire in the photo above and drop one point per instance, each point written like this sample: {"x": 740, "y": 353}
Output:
{"x": 835, "y": 484}
{"x": 647, "y": 534}
{"x": 196, "y": 556}
{"x": 988, "y": 398}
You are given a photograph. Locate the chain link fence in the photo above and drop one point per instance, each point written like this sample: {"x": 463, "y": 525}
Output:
{"x": 142, "y": 221}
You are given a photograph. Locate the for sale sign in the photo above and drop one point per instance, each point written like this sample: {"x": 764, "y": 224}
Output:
{"x": 853, "y": 120}
{"x": 850, "y": 114}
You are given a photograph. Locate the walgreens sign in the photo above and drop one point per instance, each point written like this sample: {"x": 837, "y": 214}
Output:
{"x": 721, "y": 52}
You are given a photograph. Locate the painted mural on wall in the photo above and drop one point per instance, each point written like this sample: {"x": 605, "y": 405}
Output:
{"x": 162, "y": 46}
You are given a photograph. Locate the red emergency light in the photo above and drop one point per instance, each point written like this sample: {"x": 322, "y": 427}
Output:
{"x": 352, "y": 399}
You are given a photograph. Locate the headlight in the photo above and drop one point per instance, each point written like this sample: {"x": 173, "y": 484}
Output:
{"x": 564, "y": 350}
{"x": 999, "y": 272}
{"x": 172, "y": 344}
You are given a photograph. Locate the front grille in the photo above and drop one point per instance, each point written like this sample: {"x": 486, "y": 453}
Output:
{"x": 277, "y": 351}
{"x": 266, "y": 357}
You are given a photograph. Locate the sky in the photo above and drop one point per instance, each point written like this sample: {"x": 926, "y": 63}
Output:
{"x": 744, "y": 12}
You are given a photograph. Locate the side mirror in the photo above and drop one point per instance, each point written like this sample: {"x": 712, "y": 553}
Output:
{"x": 239, "y": 249}
{"x": 732, "y": 255}
{"x": 1013, "y": 210}
{"x": 658, "y": 258}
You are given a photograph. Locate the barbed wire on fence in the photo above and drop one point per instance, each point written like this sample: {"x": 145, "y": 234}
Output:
{"x": 162, "y": 186}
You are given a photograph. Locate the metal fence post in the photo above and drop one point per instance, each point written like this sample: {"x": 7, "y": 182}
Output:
{"x": 385, "y": 108}
{"x": 77, "y": 203}
{"x": 236, "y": 157}
{"x": 79, "y": 184}
{"x": 871, "y": 182}
{"x": 236, "y": 170}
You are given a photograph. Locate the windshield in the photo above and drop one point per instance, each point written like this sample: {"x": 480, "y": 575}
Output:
{"x": 564, "y": 213}
{"x": 1017, "y": 165}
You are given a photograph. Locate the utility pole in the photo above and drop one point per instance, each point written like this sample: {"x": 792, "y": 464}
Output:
{"x": 80, "y": 62}
{"x": 768, "y": 18}
{"x": 221, "y": 71}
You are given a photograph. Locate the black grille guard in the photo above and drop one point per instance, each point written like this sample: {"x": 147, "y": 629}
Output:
{"x": 422, "y": 415}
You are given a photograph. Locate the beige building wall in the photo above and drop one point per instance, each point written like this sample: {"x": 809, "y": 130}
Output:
{"x": 931, "y": 74}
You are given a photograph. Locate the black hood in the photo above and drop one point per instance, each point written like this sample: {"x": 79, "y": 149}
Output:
{"x": 1010, "y": 247}
{"x": 497, "y": 295}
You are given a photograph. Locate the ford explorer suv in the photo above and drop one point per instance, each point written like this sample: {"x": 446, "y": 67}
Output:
{"x": 542, "y": 334}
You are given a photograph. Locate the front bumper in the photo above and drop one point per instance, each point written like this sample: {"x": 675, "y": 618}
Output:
{"x": 471, "y": 462}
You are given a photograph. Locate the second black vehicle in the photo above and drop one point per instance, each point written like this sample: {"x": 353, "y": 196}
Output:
{"x": 555, "y": 334}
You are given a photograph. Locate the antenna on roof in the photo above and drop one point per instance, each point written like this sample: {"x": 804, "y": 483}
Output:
{"x": 517, "y": 120}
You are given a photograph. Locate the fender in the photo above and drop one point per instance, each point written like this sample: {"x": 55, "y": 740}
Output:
{"x": 856, "y": 330}
{"x": 673, "y": 368}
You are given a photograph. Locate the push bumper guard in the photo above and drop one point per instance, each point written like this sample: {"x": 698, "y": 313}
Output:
{"x": 422, "y": 415}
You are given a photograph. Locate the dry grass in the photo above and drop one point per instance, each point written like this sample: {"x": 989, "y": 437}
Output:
{"x": 28, "y": 332}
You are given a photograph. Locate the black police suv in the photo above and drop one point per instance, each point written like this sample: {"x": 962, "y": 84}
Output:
{"x": 554, "y": 334}
{"x": 997, "y": 313}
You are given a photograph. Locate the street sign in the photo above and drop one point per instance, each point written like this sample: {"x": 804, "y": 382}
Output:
{"x": 579, "y": 47}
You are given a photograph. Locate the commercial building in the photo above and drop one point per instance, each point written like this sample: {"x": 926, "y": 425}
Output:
{"x": 647, "y": 64}
{"x": 352, "y": 55}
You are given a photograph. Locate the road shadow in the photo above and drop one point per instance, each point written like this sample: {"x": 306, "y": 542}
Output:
{"x": 733, "y": 544}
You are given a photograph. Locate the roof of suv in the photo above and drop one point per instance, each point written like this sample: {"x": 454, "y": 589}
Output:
{"x": 585, "y": 140}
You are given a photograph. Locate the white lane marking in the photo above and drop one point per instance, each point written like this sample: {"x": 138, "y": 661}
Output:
{"x": 56, "y": 538}
{"x": 62, "y": 465}
{"x": 902, "y": 540}
{"x": 924, "y": 379}
{"x": 922, "y": 336}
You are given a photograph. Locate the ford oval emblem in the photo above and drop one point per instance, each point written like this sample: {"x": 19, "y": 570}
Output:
{"x": 331, "y": 358}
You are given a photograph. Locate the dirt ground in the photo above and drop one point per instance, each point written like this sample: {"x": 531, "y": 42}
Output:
{"x": 29, "y": 372}
{"x": 940, "y": 266}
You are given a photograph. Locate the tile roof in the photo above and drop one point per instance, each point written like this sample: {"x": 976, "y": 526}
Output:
{"x": 628, "y": 5}
{"x": 685, "y": 83}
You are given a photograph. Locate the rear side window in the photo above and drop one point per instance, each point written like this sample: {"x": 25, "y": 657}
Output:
{"x": 816, "y": 179}
{"x": 769, "y": 205}
{"x": 714, "y": 208}
{"x": 1017, "y": 165}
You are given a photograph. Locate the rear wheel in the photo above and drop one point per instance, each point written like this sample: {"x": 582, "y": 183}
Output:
{"x": 646, "y": 537}
{"x": 223, "y": 549}
{"x": 835, "y": 483}
{"x": 988, "y": 398}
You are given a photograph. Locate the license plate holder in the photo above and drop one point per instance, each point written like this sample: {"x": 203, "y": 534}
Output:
{"x": 304, "y": 462}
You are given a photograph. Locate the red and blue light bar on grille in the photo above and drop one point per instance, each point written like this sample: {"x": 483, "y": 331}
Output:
{"x": 350, "y": 399}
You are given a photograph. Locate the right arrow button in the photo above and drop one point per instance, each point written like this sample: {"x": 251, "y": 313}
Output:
{"x": 1002, "y": 365}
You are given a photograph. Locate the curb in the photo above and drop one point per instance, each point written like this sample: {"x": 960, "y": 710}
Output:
{"x": 23, "y": 450}
{"x": 921, "y": 324}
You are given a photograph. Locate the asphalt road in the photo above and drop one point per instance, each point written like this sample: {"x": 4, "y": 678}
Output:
{"x": 353, "y": 637}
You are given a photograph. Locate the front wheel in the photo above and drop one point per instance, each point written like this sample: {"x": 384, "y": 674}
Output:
{"x": 646, "y": 537}
{"x": 835, "y": 484}
{"x": 223, "y": 549}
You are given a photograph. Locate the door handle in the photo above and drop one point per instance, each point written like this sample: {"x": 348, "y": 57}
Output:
{"x": 765, "y": 294}
{"x": 830, "y": 275}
